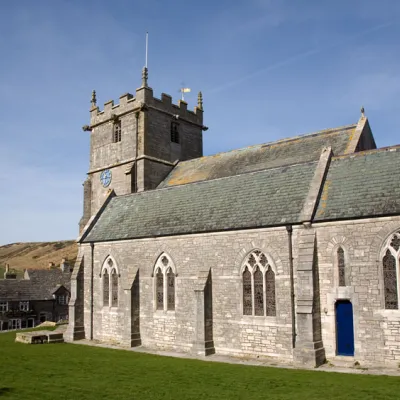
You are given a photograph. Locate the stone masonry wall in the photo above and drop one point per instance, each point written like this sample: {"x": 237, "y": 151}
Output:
{"x": 376, "y": 330}
{"x": 223, "y": 253}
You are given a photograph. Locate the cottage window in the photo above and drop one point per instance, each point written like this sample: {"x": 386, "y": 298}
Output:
{"x": 3, "y": 306}
{"x": 258, "y": 279}
{"x": 117, "y": 132}
{"x": 62, "y": 299}
{"x": 24, "y": 305}
{"x": 390, "y": 266}
{"x": 174, "y": 132}
{"x": 14, "y": 324}
{"x": 165, "y": 280}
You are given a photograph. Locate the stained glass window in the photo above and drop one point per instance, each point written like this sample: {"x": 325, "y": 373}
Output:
{"x": 341, "y": 267}
{"x": 258, "y": 292}
{"x": 160, "y": 290}
{"x": 390, "y": 281}
{"x": 106, "y": 289}
{"x": 170, "y": 290}
{"x": 114, "y": 288}
{"x": 270, "y": 292}
{"x": 247, "y": 294}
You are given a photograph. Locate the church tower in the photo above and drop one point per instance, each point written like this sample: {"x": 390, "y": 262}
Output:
{"x": 136, "y": 143}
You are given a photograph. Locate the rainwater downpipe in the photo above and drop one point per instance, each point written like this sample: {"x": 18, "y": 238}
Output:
{"x": 137, "y": 114}
{"x": 91, "y": 288}
{"x": 289, "y": 230}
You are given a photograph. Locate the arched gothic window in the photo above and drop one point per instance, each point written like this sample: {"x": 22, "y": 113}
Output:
{"x": 110, "y": 283}
{"x": 390, "y": 266}
{"x": 106, "y": 288}
{"x": 164, "y": 276}
{"x": 258, "y": 285}
{"x": 341, "y": 267}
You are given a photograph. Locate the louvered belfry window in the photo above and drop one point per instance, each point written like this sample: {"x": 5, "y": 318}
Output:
{"x": 341, "y": 267}
{"x": 390, "y": 268}
{"x": 117, "y": 132}
{"x": 258, "y": 281}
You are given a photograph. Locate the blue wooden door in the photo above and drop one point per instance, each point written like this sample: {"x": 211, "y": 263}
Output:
{"x": 344, "y": 328}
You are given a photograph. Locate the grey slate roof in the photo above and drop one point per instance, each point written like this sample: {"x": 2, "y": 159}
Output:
{"x": 295, "y": 150}
{"x": 265, "y": 198}
{"x": 362, "y": 185}
{"x": 41, "y": 285}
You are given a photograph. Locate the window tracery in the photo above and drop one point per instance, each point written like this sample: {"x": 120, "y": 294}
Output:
{"x": 165, "y": 282}
{"x": 110, "y": 278}
{"x": 258, "y": 279}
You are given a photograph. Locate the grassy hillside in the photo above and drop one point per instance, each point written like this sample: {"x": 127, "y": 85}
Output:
{"x": 36, "y": 254}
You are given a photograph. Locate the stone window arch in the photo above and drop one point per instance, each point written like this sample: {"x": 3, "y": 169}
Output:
{"x": 390, "y": 256}
{"x": 110, "y": 282}
{"x": 258, "y": 285}
{"x": 164, "y": 283}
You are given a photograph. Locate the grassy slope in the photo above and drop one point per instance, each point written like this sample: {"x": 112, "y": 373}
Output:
{"x": 65, "y": 371}
{"x": 36, "y": 255}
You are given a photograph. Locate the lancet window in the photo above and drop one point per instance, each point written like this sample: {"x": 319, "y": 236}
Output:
{"x": 110, "y": 279}
{"x": 117, "y": 132}
{"x": 391, "y": 270}
{"x": 258, "y": 280}
{"x": 165, "y": 279}
{"x": 341, "y": 267}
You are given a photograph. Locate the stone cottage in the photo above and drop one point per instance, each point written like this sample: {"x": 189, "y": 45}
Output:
{"x": 287, "y": 249}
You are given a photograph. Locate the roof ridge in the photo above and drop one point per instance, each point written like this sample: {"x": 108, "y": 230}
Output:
{"x": 214, "y": 179}
{"x": 365, "y": 152}
{"x": 284, "y": 140}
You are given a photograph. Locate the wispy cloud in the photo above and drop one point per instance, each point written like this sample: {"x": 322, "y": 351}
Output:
{"x": 298, "y": 57}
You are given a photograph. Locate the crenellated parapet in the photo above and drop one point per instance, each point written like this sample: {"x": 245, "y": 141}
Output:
{"x": 143, "y": 100}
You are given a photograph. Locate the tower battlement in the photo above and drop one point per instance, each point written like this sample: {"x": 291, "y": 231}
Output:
{"x": 144, "y": 99}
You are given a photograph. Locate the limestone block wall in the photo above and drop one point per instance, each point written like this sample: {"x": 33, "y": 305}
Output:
{"x": 376, "y": 330}
{"x": 223, "y": 253}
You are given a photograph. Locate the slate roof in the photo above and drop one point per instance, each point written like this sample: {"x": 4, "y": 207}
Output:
{"x": 295, "y": 150}
{"x": 265, "y": 198}
{"x": 41, "y": 285}
{"x": 361, "y": 185}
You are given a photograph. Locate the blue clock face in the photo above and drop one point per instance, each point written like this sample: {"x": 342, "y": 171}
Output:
{"x": 105, "y": 177}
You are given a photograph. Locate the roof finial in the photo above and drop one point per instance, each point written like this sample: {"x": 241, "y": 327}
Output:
{"x": 145, "y": 75}
{"x": 94, "y": 100}
{"x": 200, "y": 101}
{"x": 362, "y": 112}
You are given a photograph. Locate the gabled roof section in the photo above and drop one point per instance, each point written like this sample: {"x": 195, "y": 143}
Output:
{"x": 361, "y": 185}
{"x": 38, "y": 285}
{"x": 299, "y": 149}
{"x": 270, "y": 197}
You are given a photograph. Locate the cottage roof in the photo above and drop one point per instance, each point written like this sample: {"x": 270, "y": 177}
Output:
{"x": 40, "y": 285}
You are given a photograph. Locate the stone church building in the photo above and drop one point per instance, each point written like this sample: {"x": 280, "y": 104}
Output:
{"x": 287, "y": 249}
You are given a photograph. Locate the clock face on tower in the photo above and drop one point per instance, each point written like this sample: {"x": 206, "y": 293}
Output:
{"x": 105, "y": 177}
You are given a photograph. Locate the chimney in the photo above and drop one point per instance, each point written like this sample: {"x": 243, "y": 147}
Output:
{"x": 8, "y": 274}
{"x": 64, "y": 266}
{"x": 51, "y": 265}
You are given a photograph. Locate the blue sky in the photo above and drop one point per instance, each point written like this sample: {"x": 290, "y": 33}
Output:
{"x": 268, "y": 69}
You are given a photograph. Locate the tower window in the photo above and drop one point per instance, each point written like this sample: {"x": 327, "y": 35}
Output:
{"x": 174, "y": 132}
{"x": 117, "y": 132}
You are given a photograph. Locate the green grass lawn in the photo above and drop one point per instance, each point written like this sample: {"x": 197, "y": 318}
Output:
{"x": 66, "y": 371}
